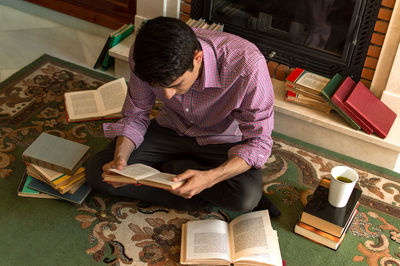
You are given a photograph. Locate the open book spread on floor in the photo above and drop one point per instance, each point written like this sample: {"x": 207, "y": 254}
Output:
{"x": 248, "y": 239}
{"x": 104, "y": 102}
{"x": 143, "y": 174}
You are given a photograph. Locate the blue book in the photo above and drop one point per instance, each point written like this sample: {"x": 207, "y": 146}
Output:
{"x": 77, "y": 197}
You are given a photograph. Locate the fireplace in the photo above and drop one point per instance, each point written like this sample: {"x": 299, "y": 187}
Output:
{"x": 323, "y": 36}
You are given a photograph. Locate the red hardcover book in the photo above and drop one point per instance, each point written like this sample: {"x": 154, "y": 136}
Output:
{"x": 341, "y": 95}
{"x": 371, "y": 110}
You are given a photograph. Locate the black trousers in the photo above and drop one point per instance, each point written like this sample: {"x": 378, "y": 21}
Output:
{"x": 165, "y": 150}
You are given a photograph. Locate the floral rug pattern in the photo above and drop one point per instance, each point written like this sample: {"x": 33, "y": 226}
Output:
{"x": 126, "y": 232}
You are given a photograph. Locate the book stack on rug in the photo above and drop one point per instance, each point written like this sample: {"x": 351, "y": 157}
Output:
{"x": 304, "y": 88}
{"x": 54, "y": 169}
{"x": 353, "y": 101}
{"x": 323, "y": 223}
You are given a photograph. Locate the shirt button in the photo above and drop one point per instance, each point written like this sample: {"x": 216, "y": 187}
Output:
{"x": 186, "y": 109}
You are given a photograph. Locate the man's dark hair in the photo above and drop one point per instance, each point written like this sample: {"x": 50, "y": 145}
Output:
{"x": 164, "y": 50}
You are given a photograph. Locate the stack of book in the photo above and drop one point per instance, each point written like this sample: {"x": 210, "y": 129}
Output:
{"x": 353, "y": 101}
{"x": 105, "y": 60}
{"x": 323, "y": 223}
{"x": 359, "y": 106}
{"x": 304, "y": 88}
{"x": 54, "y": 169}
{"x": 202, "y": 24}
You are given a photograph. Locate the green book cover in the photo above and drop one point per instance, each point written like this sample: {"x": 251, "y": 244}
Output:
{"x": 25, "y": 191}
{"x": 115, "y": 39}
{"x": 327, "y": 93}
{"x": 56, "y": 153}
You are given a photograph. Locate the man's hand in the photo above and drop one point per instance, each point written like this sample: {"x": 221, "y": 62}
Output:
{"x": 114, "y": 164}
{"x": 123, "y": 148}
{"x": 195, "y": 182}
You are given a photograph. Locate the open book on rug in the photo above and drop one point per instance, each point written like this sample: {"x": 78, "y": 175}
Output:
{"x": 247, "y": 240}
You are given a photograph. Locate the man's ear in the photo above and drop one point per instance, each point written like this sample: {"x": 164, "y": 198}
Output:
{"x": 198, "y": 56}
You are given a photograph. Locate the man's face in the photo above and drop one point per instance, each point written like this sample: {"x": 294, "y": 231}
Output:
{"x": 183, "y": 84}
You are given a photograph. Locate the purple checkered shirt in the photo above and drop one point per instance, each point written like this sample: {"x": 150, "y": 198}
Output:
{"x": 232, "y": 101}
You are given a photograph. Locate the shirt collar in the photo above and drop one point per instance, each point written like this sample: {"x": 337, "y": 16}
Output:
{"x": 210, "y": 75}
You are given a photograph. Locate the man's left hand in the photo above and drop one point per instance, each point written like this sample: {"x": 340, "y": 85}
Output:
{"x": 195, "y": 182}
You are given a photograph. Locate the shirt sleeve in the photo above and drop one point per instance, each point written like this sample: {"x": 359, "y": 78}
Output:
{"x": 255, "y": 117}
{"x": 135, "y": 112}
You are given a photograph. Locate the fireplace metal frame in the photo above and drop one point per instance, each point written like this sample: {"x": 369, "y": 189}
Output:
{"x": 350, "y": 64}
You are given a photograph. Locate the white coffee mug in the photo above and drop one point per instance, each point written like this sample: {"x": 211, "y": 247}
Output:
{"x": 341, "y": 189}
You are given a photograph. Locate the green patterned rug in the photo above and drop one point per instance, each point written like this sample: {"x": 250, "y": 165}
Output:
{"x": 119, "y": 231}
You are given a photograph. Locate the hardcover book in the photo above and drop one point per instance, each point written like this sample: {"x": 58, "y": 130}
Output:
{"x": 306, "y": 101}
{"x": 248, "y": 239}
{"x": 78, "y": 197}
{"x": 320, "y": 214}
{"x": 371, "y": 110}
{"x": 305, "y": 93}
{"x": 104, "y": 102}
{"x": 143, "y": 174}
{"x": 24, "y": 191}
{"x": 327, "y": 93}
{"x": 321, "y": 237}
{"x": 307, "y": 81}
{"x": 115, "y": 39}
{"x": 56, "y": 153}
{"x": 106, "y": 46}
{"x": 341, "y": 95}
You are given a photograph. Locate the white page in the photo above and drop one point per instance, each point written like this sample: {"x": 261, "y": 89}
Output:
{"x": 207, "y": 239}
{"x": 249, "y": 233}
{"x": 82, "y": 104}
{"x": 272, "y": 256}
{"x": 112, "y": 95}
{"x": 137, "y": 171}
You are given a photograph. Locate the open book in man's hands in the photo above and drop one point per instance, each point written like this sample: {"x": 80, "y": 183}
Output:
{"x": 248, "y": 239}
{"x": 143, "y": 174}
{"x": 104, "y": 102}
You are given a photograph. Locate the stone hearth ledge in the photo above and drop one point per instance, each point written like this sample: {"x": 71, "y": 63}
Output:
{"x": 331, "y": 132}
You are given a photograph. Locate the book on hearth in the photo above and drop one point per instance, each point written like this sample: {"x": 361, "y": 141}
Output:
{"x": 142, "y": 174}
{"x": 56, "y": 153}
{"x": 303, "y": 100}
{"x": 327, "y": 93}
{"x": 341, "y": 95}
{"x": 103, "y": 103}
{"x": 320, "y": 214}
{"x": 307, "y": 81}
{"x": 248, "y": 239}
{"x": 371, "y": 110}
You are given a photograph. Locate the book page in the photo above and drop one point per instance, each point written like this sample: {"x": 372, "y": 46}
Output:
{"x": 162, "y": 178}
{"x": 207, "y": 239}
{"x": 112, "y": 96}
{"x": 136, "y": 171}
{"x": 82, "y": 104}
{"x": 249, "y": 234}
{"x": 313, "y": 81}
{"x": 272, "y": 256}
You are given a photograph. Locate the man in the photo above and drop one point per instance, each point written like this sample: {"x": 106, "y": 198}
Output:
{"x": 214, "y": 129}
